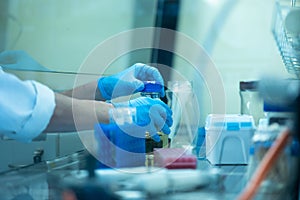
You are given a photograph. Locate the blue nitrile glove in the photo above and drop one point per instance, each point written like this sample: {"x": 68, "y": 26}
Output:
{"x": 129, "y": 81}
{"x": 18, "y": 59}
{"x": 152, "y": 115}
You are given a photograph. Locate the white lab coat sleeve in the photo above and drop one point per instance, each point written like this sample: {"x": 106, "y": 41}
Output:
{"x": 26, "y": 107}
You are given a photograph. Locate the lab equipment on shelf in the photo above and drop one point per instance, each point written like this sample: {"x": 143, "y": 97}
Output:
{"x": 286, "y": 32}
{"x": 228, "y": 138}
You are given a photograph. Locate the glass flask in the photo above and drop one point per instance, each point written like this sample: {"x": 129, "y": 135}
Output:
{"x": 186, "y": 114}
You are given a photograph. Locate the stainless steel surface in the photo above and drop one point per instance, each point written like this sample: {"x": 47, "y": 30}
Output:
{"x": 57, "y": 174}
{"x": 14, "y": 153}
{"x": 33, "y": 181}
{"x": 69, "y": 162}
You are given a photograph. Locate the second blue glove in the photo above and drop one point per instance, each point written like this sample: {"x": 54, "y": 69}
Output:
{"x": 153, "y": 115}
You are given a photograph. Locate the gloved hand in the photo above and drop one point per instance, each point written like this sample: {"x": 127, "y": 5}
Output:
{"x": 18, "y": 59}
{"x": 129, "y": 81}
{"x": 152, "y": 115}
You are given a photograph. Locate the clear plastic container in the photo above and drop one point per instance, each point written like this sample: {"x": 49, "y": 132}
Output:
{"x": 251, "y": 102}
{"x": 186, "y": 115}
{"x": 228, "y": 138}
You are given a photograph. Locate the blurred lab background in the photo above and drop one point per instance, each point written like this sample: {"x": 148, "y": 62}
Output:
{"x": 236, "y": 35}
{"x": 60, "y": 34}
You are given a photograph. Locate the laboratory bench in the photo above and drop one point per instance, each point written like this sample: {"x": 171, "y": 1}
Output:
{"x": 48, "y": 180}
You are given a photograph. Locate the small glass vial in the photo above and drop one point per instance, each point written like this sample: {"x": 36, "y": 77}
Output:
{"x": 152, "y": 90}
{"x": 251, "y": 103}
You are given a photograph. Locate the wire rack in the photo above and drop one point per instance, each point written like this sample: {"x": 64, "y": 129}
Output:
{"x": 289, "y": 48}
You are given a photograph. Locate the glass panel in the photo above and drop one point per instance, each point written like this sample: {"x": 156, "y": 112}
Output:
{"x": 59, "y": 34}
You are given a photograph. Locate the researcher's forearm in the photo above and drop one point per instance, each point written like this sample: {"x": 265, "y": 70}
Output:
{"x": 73, "y": 114}
{"x": 87, "y": 91}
